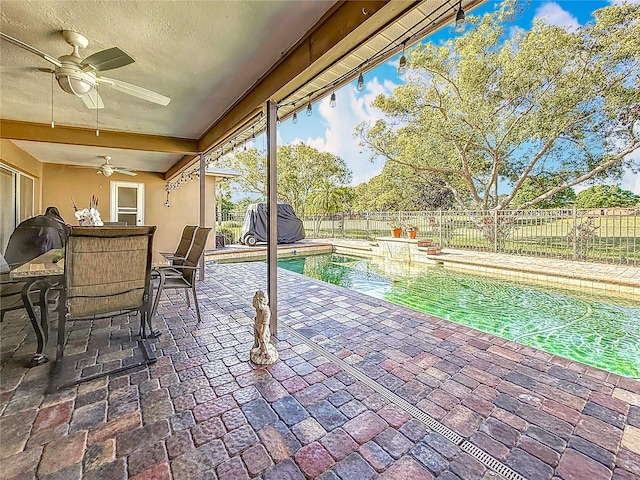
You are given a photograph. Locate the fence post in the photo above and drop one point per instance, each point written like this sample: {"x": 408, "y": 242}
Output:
{"x": 495, "y": 231}
{"x": 575, "y": 233}
{"x": 367, "y": 225}
{"x": 440, "y": 228}
{"x": 342, "y": 225}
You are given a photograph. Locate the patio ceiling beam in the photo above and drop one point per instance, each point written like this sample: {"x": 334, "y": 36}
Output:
{"x": 40, "y": 132}
{"x": 348, "y": 24}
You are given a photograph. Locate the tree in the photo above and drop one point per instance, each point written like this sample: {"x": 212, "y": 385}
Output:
{"x": 533, "y": 187}
{"x": 399, "y": 188}
{"x": 302, "y": 171}
{"x": 252, "y": 166}
{"x": 497, "y": 106}
{"x": 605, "y": 196}
{"x": 242, "y": 204}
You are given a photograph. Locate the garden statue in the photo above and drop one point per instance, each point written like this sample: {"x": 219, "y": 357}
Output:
{"x": 262, "y": 352}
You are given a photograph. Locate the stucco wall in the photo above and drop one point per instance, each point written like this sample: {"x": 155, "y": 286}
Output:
{"x": 62, "y": 182}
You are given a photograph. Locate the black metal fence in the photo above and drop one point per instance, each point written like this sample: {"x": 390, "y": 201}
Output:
{"x": 601, "y": 235}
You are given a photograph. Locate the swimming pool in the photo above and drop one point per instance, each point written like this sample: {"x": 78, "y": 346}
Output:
{"x": 590, "y": 328}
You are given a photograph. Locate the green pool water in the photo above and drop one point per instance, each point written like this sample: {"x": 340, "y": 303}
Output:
{"x": 590, "y": 328}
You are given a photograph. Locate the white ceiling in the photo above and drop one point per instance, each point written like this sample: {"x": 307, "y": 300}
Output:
{"x": 203, "y": 54}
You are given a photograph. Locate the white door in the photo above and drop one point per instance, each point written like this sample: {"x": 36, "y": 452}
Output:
{"x": 127, "y": 202}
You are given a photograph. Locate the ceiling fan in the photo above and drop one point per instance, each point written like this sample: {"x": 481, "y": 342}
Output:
{"x": 81, "y": 77}
{"x": 107, "y": 169}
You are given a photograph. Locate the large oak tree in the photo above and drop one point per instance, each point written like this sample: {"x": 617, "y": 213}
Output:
{"x": 498, "y": 105}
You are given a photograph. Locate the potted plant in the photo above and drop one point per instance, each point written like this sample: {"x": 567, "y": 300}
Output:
{"x": 412, "y": 231}
{"x": 396, "y": 228}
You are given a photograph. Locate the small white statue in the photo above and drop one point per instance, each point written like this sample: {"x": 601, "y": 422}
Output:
{"x": 262, "y": 352}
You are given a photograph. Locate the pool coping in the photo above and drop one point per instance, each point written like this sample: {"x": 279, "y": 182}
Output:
{"x": 538, "y": 270}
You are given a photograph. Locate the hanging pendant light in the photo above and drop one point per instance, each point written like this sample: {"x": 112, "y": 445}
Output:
{"x": 360, "y": 85}
{"x": 332, "y": 102}
{"x": 402, "y": 64}
{"x": 460, "y": 22}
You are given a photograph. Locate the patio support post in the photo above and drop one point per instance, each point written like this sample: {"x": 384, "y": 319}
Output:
{"x": 574, "y": 218}
{"x": 495, "y": 231}
{"x": 203, "y": 198}
{"x": 272, "y": 209}
{"x": 215, "y": 212}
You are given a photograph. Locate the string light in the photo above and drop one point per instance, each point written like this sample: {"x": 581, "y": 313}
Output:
{"x": 241, "y": 139}
{"x": 309, "y": 109}
{"x": 332, "y": 102}
{"x": 294, "y": 119}
{"x": 411, "y": 34}
{"x": 460, "y": 17}
{"x": 360, "y": 85}
{"x": 402, "y": 64}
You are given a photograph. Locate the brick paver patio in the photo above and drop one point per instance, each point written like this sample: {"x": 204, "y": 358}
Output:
{"x": 204, "y": 412}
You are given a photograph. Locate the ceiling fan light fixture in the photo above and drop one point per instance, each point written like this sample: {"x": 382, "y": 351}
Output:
{"x": 76, "y": 83}
{"x": 106, "y": 170}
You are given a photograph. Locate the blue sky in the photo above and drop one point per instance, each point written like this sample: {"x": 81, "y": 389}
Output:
{"x": 331, "y": 129}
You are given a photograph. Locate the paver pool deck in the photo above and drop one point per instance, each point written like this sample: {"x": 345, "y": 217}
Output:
{"x": 363, "y": 389}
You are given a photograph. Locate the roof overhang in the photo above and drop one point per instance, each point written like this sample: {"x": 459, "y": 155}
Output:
{"x": 349, "y": 37}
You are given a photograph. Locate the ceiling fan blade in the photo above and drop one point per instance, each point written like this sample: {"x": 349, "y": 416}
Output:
{"x": 92, "y": 100}
{"x": 31, "y": 49}
{"x": 125, "y": 172}
{"x": 135, "y": 90}
{"x": 107, "y": 60}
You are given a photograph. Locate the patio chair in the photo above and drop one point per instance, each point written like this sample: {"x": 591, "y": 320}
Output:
{"x": 108, "y": 273}
{"x": 178, "y": 257}
{"x": 183, "y": 277}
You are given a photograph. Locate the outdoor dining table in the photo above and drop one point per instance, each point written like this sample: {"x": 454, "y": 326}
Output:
{"x": 42, "y": 274}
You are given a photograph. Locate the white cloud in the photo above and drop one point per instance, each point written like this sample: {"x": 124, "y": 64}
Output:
{"x": 351, "y": 108}
{"x": 631, "y": 181}
{"x": 554, "y": 14}
{"x": 515, "y": 30}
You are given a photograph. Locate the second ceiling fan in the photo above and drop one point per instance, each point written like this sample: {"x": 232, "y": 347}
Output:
{"x": 107, "y": 169}
{"x": 80, "y": 77}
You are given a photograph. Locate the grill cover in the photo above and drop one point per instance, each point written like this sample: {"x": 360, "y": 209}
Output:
{"x": 290, "y": 227}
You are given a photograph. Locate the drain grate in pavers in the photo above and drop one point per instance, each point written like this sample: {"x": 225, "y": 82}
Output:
{"x": 480, "y": 455}
{"x": 472, "y": 450}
